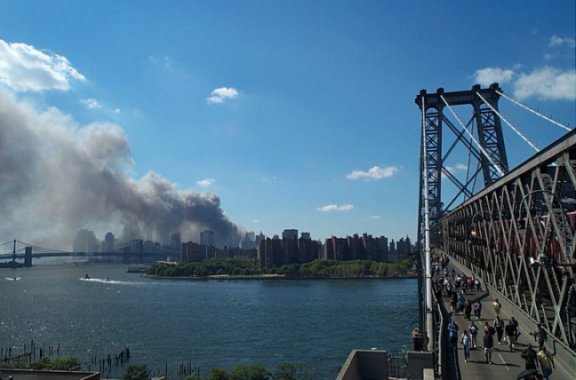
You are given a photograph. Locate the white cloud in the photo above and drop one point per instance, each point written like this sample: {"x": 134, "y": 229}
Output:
{"x": 456, "y": 168}
{"x": 222, "y": 94}
{"x": 556, "y": 41}
{"x": 335, "y": 208}
{"x": 163, "y": 61}
{"x": 207, "y": 182}
{"x": 24, "y": 68}
{"x": 544, "y": 82}
{"x": 91, "y": 103}
{"x": 489, "y": 75}
{"x": 547, "y": 83}
{"x": 375, "y": 172}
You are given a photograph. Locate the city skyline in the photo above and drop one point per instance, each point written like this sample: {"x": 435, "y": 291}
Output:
{"x": 87, "y": 241}
{"x": 252, "y": 116}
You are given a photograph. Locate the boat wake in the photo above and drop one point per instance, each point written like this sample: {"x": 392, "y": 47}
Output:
{"x": 109, "y": 281}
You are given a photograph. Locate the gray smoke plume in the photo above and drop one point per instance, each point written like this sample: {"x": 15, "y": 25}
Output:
{"x": 57, "y": 177}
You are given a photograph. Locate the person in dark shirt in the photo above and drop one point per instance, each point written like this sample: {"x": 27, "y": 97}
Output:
{"x": 499, "y": 326}
{"x": 453, "y": 333}
{"x": 510, "y": 331}
{"x": 488, "y": 346}
{"x": 530, "y": 357}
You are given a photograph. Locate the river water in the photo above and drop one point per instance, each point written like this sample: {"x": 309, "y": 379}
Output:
{"x": 203, "y": 323}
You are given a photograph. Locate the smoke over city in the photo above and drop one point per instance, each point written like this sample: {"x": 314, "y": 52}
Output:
{"x": 57, "y": 177}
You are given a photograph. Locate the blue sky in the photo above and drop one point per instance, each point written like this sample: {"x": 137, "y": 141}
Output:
{"x": 284, "y": 114}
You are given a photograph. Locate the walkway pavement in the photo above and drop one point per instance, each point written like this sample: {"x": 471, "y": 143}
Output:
{"x": 506, "y": 365}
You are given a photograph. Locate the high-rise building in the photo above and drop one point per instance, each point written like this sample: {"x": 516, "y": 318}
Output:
{"x": 249, "y": 241}
{"x": 175, "y": 242}
{"x": 207, "y": 237}
{"x": 269, "y": 253}
{"x": 109, "y": 241}
{"x": 85, "y": 241}
{"x": 356, "y": 248}
{"x": 290, "y": 234}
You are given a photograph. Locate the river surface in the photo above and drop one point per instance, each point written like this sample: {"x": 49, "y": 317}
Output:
{"x": 203, "y": 323}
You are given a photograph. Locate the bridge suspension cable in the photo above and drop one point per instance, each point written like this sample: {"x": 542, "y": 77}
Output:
{"x": 508, "y": 123}
{"x": 534, "y": 111}
{"x": 21, "y": 243}
{"x": 484, "y": 152}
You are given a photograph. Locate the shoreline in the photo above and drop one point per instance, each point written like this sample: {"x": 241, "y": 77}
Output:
{"x": 274, "y": 277}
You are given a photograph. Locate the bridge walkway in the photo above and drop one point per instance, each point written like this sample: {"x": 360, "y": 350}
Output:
{"x": 506, "y": 365}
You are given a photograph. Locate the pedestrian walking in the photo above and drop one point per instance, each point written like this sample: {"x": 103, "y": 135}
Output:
{"x": 516, "y": 330}
{"x": 453, "y": 303}
{"x": 466, "y": 340}
{"x": 546, "y": 363}
{"x": 473, "y": 329}
{"x": 453, "y": 333}
{"x": 461, "y": 303}
{"x": 497, "y": 307}
{"x": 477, "y": 284}
{"x": 530, "y": 358}
{"x": 488, "y": 347}
{"x": 467, "y": 309}
{"x": 510, "y": 332}
{"x": 477, "y": 308}
{"x": 488, "y": 328}
{"x": 542, "y": 336}
{"x": 499, "y": 326}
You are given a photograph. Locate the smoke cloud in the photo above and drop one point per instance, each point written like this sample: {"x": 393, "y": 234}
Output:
{"x": 57, "y": 177}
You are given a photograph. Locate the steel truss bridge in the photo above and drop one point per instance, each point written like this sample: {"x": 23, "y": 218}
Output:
{"x": 517, "y": 233}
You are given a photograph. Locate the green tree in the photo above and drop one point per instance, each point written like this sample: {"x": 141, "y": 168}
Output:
{"x": 218, "y": 374}
{"x": 65, "y": 363}
{"x": 249, "y": 372}
{"x": 288, "y": 371}
{"x": 136, "y": 372}
{"x": 40, "y": 364}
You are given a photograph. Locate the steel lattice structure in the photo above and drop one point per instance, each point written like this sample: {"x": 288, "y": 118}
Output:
{"x": 518, "y": 236}
{"x": 489, "y": 151}
{"x": 517, "y": 233}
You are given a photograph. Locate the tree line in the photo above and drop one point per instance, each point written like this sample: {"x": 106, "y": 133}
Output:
{"x": 285, "y": 371}
{"x": 321, "y": 268}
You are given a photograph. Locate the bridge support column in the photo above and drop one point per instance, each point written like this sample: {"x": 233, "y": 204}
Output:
{"x": 28, "y": 257}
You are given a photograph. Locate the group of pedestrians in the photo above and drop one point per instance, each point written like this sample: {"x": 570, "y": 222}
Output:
{"x": 504, "y": 332}
{"x": 542, "y": 359}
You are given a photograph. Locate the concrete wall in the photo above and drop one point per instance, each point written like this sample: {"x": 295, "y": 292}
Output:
{"x": 417, "y": 362}
{"x": 365, "y": 365}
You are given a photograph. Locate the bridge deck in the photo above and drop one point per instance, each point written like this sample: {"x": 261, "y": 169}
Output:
{"x": 506, "y": 364}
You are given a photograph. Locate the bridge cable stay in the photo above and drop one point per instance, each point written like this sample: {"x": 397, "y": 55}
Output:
{"x": 469, "y": 176}
{"x": 508, "y": 123}
{"x": 36, "y": 248}
{"x": 484, "y": 152}
{"x": 42, "y": 249}
{"x": 534, "y": 112}
{"x": 8, "y": 242}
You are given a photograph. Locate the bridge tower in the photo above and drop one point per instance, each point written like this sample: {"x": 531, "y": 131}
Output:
{"x": 487, "y": 148}
{"x": 481, "y": 137}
